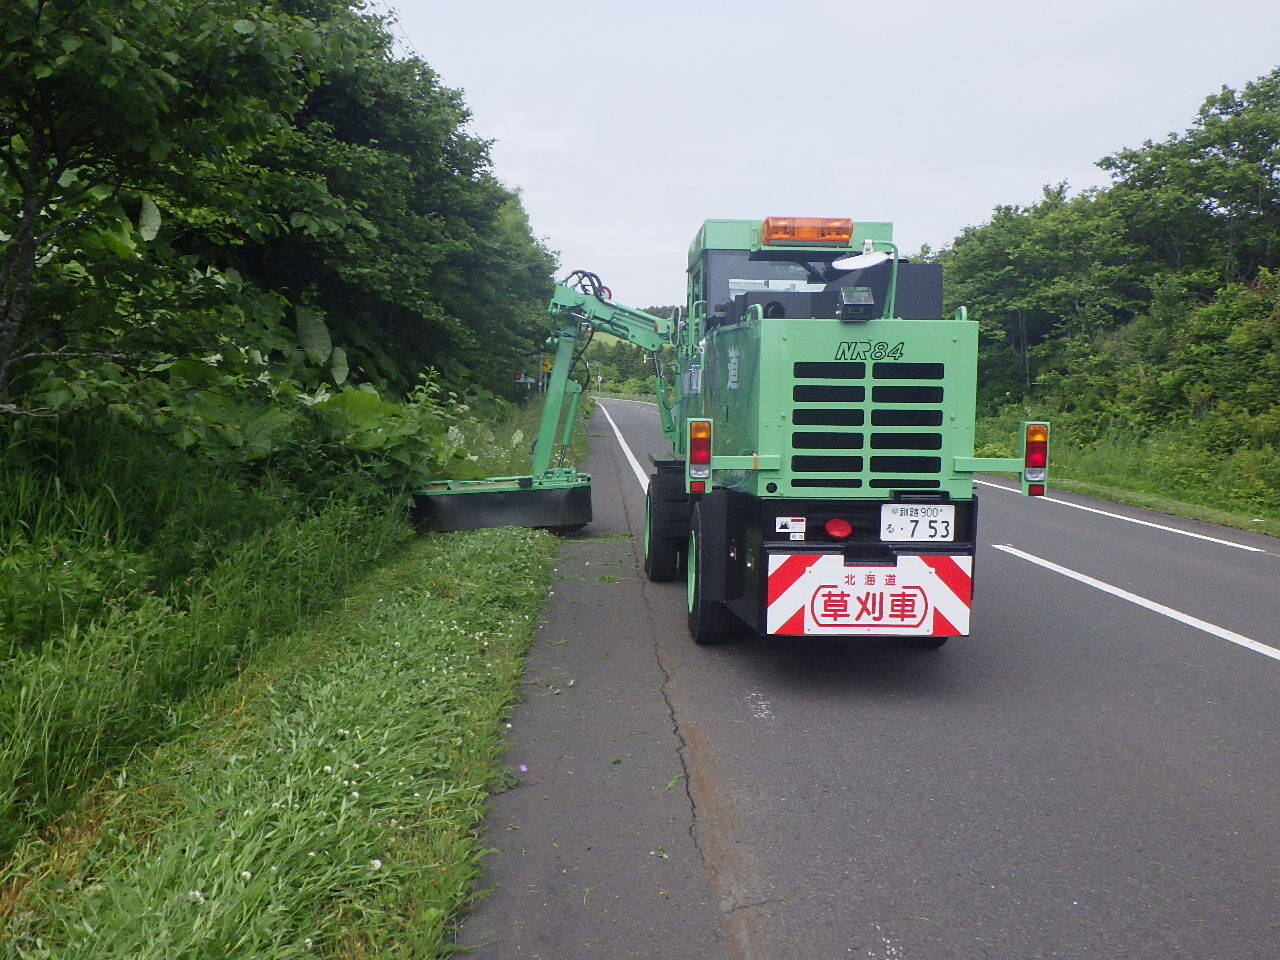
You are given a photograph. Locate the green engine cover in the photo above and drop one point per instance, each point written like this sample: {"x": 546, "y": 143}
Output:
{"x": 851, "y": 409}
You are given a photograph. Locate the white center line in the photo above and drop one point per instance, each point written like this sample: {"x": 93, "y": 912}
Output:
{"x": 647, "y": 403}
{"x": 1159, "y": 608}
{"x": 631, "y": 457}
{"x": 1120, "y": 516}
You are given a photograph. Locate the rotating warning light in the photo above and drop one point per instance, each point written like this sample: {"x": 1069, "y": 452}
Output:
{"x": 806, "y": 231}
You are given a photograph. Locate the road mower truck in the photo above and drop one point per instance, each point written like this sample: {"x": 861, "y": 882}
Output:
{"x": 820, "y": 414}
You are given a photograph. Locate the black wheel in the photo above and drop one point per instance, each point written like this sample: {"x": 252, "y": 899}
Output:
{"x": 709, "y": 621}
{"x": 663, "y": 508}
{"x": 661, "y": 553}
{"x": 925, "y": 643}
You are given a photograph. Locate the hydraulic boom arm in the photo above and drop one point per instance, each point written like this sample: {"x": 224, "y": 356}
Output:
{"x": 586, "y": 305}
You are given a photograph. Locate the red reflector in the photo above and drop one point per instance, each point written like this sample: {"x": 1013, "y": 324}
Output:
{"x": 1037, "y": 453}
{"x": 1035, "y": 489}
{"x": 838, "y": 528}
{"x": 700, "y": 486}
{"x": 699, "y": 449}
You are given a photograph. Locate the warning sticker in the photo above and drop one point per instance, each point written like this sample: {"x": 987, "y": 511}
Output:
{"x": 793, "y": 526}
{"x": 819, "y": 594}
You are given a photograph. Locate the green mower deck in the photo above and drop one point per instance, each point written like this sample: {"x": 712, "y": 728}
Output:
{"x": 561, "y": 505}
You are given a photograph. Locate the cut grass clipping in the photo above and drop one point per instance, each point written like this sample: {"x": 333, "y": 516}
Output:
{"x": 330, "y": 805}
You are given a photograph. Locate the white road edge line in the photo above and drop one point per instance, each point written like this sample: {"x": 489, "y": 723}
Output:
{"x": 631, "y": 457}
{"x": 1120, "y": 516}
{"x": 1151, "y": 605}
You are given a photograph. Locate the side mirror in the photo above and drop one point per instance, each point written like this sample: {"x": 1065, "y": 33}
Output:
{"x": 860, "y": 261}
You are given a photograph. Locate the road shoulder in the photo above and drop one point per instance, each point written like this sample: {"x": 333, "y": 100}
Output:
{"x": 593, "y": 850}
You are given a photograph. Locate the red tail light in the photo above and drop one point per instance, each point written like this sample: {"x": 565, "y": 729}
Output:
{"x": 1035, "y": 459}
{"x": 699, "y": 450}
{"x": 838, "y": 528}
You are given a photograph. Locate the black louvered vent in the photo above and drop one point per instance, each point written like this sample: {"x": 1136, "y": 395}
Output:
{"x": 829, "y": 370}
{"x": 899, "y": 402}
{"x": 842, "y": 482}
{"x": 905, "y": 394}
{"x": 905, "y": 406}
{"x": 839, "y": 417}
{"x": 906, "y": 418}
{"x": 906, "y": 441}
{"x": 827, "y": 393}
{"x": 829, "y": 440}
{"x": 814, "y": 464}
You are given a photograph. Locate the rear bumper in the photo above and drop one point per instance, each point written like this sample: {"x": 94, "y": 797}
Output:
{"x": 818, "y": 594}
{"x": 815, "y": 584}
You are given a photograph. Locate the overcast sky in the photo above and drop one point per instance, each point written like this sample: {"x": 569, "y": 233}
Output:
{"x": 626, "y": 125}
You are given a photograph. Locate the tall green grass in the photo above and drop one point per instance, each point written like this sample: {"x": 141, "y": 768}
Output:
{"x": 327, "y": 805}
{"x": 134, "y": 576}
{"x": 137, "y": 577}
{"x": 1172, "y": 463}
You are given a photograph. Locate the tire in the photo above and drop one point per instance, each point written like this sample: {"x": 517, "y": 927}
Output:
{"x": 925, "y": 643}
{"x": 710, "y": 622}
{"x": 663, "y": 555}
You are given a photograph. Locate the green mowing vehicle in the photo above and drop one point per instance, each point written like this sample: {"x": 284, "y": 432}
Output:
{"x": 821, "y": 420}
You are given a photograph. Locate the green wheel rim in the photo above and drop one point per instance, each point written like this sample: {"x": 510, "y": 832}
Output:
{"x": 691, "y": 566}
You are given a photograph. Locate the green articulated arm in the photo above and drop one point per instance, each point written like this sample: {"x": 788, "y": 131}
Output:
{"x": 626, "y": 323}
{"x": 584, "y": 302}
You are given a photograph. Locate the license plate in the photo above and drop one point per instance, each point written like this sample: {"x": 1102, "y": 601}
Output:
{"x": 900, "y": 522}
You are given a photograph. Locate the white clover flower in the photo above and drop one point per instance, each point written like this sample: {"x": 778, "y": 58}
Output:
{"x": 328, "y": 768}
{"x": 355, "y": 794}
{"x": 196, "y": 896}
{"x": 375, "y": 864}
{"x": 246, "y": 875}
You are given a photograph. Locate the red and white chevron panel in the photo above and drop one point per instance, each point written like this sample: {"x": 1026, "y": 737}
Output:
{"x": 924, "y": 596}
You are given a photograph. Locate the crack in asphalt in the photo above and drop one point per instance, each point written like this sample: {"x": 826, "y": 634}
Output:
{"x": 709, "y": 829}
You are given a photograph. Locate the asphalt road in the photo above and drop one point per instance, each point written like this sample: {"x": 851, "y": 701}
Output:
{"x": 1092, "y": 774}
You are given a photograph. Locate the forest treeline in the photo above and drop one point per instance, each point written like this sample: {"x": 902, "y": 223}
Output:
{"x": 1149, "y": 307}
{"x": 223, "y": 218}
{"x": 256, "y": 274}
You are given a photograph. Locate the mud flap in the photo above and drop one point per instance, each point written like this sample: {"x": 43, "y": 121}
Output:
{"x": 555, "y": 508}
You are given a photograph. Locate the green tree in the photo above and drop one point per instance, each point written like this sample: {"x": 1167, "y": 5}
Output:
{"x": 103, "y": 105}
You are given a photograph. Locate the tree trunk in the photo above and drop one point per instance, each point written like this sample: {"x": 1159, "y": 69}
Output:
{"x": 18, "y": 286}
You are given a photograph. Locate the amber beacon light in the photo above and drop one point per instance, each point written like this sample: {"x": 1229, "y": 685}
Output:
{"x": 806, "y": 231}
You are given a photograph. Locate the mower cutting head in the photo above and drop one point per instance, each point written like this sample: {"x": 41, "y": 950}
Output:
{"x": 561, "y": 505}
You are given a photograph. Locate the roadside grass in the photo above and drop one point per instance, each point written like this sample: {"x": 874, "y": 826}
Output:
{"x": 1160, "y": 471}
{"x": 327, "y": 802}
{"x": 108, "y": 676}
{"x": 507, "y": 441}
